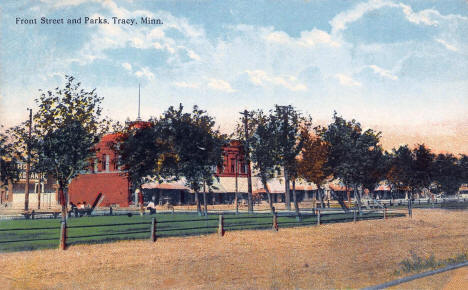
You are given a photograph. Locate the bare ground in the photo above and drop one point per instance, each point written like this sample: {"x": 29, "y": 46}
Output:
{"x": 330, "y": 256}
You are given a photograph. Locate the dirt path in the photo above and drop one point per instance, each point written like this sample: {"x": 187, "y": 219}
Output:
{"x": 451, "y": 280}
{"x": 329, "y": 256}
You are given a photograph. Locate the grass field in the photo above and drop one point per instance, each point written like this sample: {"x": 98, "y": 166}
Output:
{"x": 339, "y": 255}
{"x": 41, "y": 234}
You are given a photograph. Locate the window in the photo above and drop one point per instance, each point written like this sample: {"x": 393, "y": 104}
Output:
{"x": 119, "y": 162}
{"x": 107, "y": 163}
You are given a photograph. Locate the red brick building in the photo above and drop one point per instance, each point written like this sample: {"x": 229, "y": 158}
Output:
{"x": 233, "y": 156}
{"x": 106, "y": 177}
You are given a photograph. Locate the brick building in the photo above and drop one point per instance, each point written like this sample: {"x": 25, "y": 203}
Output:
{"x": 104, "y": 176}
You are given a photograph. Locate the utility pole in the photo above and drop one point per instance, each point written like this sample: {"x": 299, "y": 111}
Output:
{"x": 28, "y": 163}
{"x": 247, "y": 159}
{"x": 39, "y": 190}
{"x": 284, "y": 111}
{"x": 237, "y": 189}
{"x": 138, "y": 118}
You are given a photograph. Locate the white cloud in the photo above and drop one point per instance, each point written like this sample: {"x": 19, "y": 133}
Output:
{"x": 109, "y": 37}
{"x": 316, "y": 36}
{"x": 261, "y": 78}
{"x": 145, "y": 73}
{"x": 187, "y": 85}
{"x": 340, "y": 22}
{"x": 423, "y": 16}
{"x": 278, "y": 37}
{"x": 65, "y": 3}
{"x": 346, "y": 80}
{"x": 382, "y": 72}
{"x": 127, "y": 66}
{"x": 193, "y": 55}
{"x": 310, "y": 38}
{"x": 446, "y": 44}
{"x": 220, "y": 85}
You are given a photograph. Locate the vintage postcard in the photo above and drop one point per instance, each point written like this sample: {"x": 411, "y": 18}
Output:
{"x": 234, "y": 144}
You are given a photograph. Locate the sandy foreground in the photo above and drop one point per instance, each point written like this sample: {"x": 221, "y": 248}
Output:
{"x": 330, "y": 256}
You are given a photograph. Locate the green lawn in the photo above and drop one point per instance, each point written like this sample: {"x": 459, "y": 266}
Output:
{"x": 44, "y": 233}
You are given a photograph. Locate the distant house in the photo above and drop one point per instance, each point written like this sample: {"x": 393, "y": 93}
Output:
{"x": 463, "y": 191}
{"x": 12, "y": 195}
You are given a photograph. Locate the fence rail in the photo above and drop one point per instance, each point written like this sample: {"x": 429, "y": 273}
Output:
{"x": 72, "y": 234}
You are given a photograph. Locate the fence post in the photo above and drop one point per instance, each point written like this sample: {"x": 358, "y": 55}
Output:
{"x": 318, "y": 217}
{"x": 221, "y": 226}
{"x": 275, "y": 221}
{"x": 153, "y": 229}
{"x": 410, "y": 210}
{"x": 354, "y": 215}
{"x": 385, "y": 212}
{"x": 63, "y": 235}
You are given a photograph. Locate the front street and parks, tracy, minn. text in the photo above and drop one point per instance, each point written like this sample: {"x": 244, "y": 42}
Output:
{"x": 88, "y": 20}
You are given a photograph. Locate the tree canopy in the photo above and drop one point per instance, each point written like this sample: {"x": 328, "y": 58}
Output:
{"x": 69, "y": 125}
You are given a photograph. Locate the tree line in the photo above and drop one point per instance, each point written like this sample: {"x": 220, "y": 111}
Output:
{"x": 60, "y": 140}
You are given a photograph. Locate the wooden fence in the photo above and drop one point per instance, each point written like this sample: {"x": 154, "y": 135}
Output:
{"x": 155, "y": 228}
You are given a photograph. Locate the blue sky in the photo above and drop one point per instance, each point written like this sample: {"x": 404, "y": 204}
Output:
{"x": 396, "y": 66}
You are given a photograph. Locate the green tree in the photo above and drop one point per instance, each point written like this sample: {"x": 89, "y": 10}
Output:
{"x": 371, "y": 163}
{"x": 422, "y": 167}
{"x": 197, "y": 145}
{"x": 69, "y": 120}
{"x": 145, "y": 154}
{"x": 289, "y": 141}
{"x": 411, "y": 170}
{"x": 8, "y": 163}
{"x": 401, "y": 172}
{"x": 463, "y": 164}
{"x": 353, "y": 153}
{"x": 245, "y": 128}
{"x": 447, "y": 173}
{"x": 264, "y": 150}
{"x": 24, "y": 141}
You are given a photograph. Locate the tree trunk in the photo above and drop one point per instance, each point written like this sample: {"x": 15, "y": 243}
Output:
{"x": 140, "y": 199}
{"x": 26, "y": 188}
{"x": 63, "y": 202}
{"x": 296, "y": 204}
{"x": 236, "y": 200}
{"x": 249, "y": 187}
{"x": 287, "y": 197}
{"x": 39, "y": 195}
{"x": 320, "y": 194}
{"x": 270, "y": 201}
{"x": 357, "y": 194}
{"x": 314, "y": 203}
{"x": 348, "y": 194}
{"x": 205, "y": 207}
{"x": 340, "y": 198}
{"x": 197, "y": 201}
